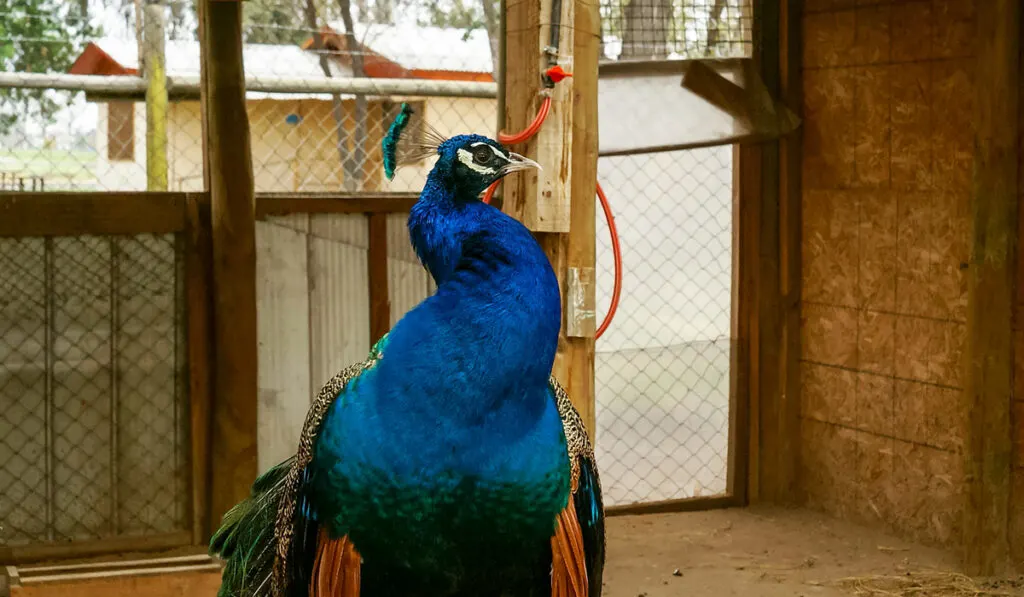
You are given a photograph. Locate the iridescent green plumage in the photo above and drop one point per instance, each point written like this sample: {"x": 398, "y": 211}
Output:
{"x": 390, "y": 142}
{"x": 408, "y": 141}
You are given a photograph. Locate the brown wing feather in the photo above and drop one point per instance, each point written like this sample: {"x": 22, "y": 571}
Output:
{"x": 336, "y": 571}
{"x": 568, "y": 561}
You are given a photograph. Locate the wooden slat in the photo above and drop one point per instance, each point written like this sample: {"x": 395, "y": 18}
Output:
{"x": 198, "y": 274}
{"x": 989, "y": 385}
{"x": 228, "y": 169}
{"x": 740, "y": 435}
{"x": 268, "y": 204}
{"x": 377, "y": 262}
{"x": 70, "y": 214}
{"x": 80, "y": 549}
{"x": 697, "y": 504}
{"x": 787, "y": 419}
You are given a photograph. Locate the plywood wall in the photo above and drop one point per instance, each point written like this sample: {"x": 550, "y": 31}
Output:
{"x": 886, "y": 176}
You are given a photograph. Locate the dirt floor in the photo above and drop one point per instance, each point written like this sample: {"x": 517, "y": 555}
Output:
{"x": 752, "y": 552}
{"x": 773, "y": 553}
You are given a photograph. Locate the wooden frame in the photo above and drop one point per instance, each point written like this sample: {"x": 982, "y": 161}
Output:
{"x": 121, "y": 214}
{"x": 69, "y": 214}
{"x": 991, "y": 277}
{"x": 770, "y": 226}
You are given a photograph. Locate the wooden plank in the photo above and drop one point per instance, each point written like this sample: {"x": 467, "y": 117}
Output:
{"x": 698, "y": 504}
{"x": 740, "y": 436}
{"x": 989, "y": 384}
{"x": 581, "y": 247}
{"x": 522, "y": 82}
{"x": 230, "y": 176}
{"x": 772, "y": 454}
{"x": 71, "y": 214}
{"x": 550, "y": 210}
{"x": 199, "y": 274}
{"x": 790, "y": 234}
{"x": 747, "y": 246}
{"x": 575, "y": 164}
{"x": 750, "y": 104}
{"x": 281, "y": 204}
{"x": 377, "y": 267}
{"x": 40, "y": 552}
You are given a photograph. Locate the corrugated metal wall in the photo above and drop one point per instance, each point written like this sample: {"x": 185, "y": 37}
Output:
{"x": 313, "y": 307}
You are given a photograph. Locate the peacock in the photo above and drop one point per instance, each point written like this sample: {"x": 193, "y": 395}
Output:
{"x": 449, "y": 463}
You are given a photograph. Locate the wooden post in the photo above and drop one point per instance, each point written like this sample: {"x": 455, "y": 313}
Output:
{"x": 989, "y": 388}
{"x": 769, "y": 247}
{"x": 377, "y": 268}
{"x": 558, "y": 204}
{"x": 154, "y": 67}
{"x": 229, "y": 178}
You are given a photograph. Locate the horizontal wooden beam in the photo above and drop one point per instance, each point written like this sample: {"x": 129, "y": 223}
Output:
{"x": 80, "y": 549}
{"x": 282, "y": 204}
{"x": 697, "y": 504}
{"x": 71, "y": 214}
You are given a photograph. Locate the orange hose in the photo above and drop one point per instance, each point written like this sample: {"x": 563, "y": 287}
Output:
{"x": 617, "y": 252}
{"x": 531, "y": 129}
{"x": 525, "y": 135}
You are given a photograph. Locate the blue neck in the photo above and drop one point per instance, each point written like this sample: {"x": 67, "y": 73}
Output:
{"x": 495, "y": 316}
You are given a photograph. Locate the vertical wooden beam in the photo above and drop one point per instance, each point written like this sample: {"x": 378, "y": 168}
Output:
{"x": 233, "y": 231}
{"x": 558, "y": 205}
{"x": 787, "y": 416}
{"x": 989, "y": 388}
{"x": 377, "y": 262}
{"x": 769, "y": 177}
{"x": 154, "y": 66}
{"x": 198, "y": 274}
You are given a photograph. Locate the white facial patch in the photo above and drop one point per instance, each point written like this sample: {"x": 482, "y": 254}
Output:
{"x": 467, "y": 158}
{"x": 493, "y": 149}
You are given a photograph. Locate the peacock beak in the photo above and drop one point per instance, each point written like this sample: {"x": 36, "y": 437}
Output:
{"x": 517, "y": 162}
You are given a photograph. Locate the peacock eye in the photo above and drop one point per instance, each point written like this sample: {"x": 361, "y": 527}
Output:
{"x": 483, "y": 155}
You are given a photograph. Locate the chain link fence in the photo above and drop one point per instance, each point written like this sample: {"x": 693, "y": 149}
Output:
{"x": 663, "y": 367}
{"x": 673, "y": 29}
{"x": 93, "y": 437}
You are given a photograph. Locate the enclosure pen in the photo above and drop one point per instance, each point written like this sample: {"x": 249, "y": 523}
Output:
{"x": 794, "y": 329}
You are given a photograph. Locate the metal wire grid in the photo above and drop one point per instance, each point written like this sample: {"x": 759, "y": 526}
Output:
{"x": 657, "y": 29}
{"x": 93, "y": 436}
{"x": 55, "y": 139}
{"x": 662, "y": 368}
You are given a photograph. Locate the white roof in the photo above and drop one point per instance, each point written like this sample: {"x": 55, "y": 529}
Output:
{"x": 260, "y": 60}
{"x": 428, "y": 48}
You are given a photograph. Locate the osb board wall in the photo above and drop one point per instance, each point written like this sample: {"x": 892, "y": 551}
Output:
{"x": 886, "y": 177}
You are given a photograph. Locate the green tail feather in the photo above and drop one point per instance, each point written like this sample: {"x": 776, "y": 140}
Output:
{"x": 245, "y": 539}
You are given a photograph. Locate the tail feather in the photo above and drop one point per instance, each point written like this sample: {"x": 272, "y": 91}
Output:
{"x": 245, "y": 539}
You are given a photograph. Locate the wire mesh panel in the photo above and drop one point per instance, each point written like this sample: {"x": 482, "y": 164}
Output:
{"x": 93, "y": 436}
{"x": 659, "y": 29}
{"x": 662, "y": 368}
{"x": 313, "y": 141}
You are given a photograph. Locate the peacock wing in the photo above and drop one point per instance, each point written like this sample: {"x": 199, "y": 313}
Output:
{"x": 271, "y": 541}
{"x": 308, "y": 561}
{"x": 578, "y": 546}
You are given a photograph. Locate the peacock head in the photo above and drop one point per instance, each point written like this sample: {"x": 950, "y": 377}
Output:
{"x": 467, "y": 164}
{"x": 471, "y": 163}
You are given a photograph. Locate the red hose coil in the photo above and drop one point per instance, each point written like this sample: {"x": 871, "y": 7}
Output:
{"x": 525, "y": 135}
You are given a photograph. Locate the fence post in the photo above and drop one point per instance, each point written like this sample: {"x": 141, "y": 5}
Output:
{"x": 560, "y": 209}
{"x": 229, "y": 178}
{"x": 155, "y": 71}
{"x": 991, "y": 279}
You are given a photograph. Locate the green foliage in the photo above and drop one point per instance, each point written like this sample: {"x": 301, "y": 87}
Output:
{"x": 38, "y": 36}
{"x": 274, "y": 22}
